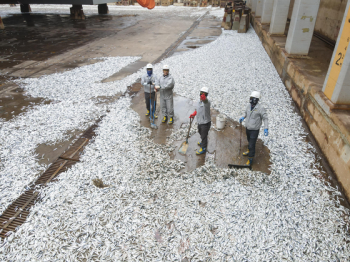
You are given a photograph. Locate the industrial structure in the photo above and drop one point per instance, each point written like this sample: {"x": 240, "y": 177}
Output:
{"x": 307, "y": 42}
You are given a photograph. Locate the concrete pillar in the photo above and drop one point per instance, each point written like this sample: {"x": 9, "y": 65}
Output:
{"x": 248, "y": 3}
{"x": 1, "y": 24}
{"x": 254, "y": 5}
{"x": 103, "y": 9}
{"x": 259, "y": 7}
{"x": 301, "y": 28}
{"x": 76, "y": 12}
{"x": 279, "y": 17}
{"x": 25, "y": 8}
{"x": 337, "y": 83}
{"x": 267, "y": 11}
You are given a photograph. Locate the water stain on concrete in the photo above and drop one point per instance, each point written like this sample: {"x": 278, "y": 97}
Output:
{"x": 15, "y": 102}
{"x": 224, "y": 144}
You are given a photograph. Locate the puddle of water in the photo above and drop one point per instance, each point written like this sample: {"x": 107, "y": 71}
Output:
{"x": 49, "y": 153}
{"x": 224, "y": 144}
{"x": 16, "y": 102}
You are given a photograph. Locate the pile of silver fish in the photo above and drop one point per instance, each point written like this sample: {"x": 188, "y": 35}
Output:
{"x": 182, "y": 132}
{"x": 74, "y": 105}
{"x": 152, "y": 212}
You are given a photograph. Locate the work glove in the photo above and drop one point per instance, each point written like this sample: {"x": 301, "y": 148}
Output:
{"x": 241, "y": 119}
{"x": 193, "y": 114}
{"x": 203, "y": 97}
{"x": 266, "y": 132}
{"x": 149, "y": 82}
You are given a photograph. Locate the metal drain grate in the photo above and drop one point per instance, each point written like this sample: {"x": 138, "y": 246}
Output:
{"x": 17, "y": 213}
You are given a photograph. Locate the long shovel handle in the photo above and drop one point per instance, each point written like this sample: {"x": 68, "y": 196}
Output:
{"x": 188, "y": 133}
{"x": 240, "y": 139}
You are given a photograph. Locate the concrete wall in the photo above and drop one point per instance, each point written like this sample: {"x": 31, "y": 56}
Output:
{"x": 329, "y": 18}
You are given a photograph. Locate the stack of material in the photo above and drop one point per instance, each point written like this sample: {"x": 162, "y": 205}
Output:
{"x": 237, "y": 16}
{"x": 223, "y": 3}
{"x": 166, "y": 2}
{"x": 227, "y": 19}
{"x": 178, "y": 3}
{"x": 215, "y": 3}
{"x": 204, "y": 3}
{"x": 193, "y": 3}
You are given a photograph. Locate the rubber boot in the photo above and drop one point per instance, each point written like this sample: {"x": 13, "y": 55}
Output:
{"x": 165, "y": 119}
{"x": 147, "y": 114}
{"x": 249, "y": 162}
{"x": 246, "y": 153}
{"x": 170, "y": 121}
{"x": 201, "y": 151}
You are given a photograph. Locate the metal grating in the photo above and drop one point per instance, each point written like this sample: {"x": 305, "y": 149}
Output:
{"x": 16, "y": 214}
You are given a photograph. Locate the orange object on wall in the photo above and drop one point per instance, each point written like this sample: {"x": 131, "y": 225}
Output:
{"x": 151, "y": 5}
{"x": 144, "y": 3}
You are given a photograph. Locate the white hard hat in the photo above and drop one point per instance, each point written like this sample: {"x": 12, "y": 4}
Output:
{"x": 165, "y": 67}
{"x": 255, "y": 94}
{"x": 205, "y": 89}
{"x": 149, "y": 66}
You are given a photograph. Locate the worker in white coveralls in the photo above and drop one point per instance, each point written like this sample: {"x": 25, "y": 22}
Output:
{"x": 148, "y": 81}
{"x": 166, "y": 85}
{"x": 203, "y": 118}
{"x": 254, "y": 114}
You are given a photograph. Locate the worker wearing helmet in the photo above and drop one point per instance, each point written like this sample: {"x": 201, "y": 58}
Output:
{"x": 254, "y": 114}
{"x": 203, "y": 118}
{"x": 166, "y": 85}
{"x": 148, "y": 82}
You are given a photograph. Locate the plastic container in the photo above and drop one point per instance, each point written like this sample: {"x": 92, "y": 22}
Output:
{"x": 220, "y": 121}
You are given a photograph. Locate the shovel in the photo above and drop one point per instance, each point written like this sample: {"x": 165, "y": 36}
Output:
{"x": 184, "y": 145}
{"x": 152, "y": 108}
{"x": 240, "y": 148}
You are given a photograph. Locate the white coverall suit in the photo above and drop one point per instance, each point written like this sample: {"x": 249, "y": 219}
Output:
{"x": 166, "y": 84}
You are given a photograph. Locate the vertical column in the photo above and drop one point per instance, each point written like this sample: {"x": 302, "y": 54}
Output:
{"x": 76, "y": 12}
{"x": 249, "y": 3}
{"x": 267, "y": 11}
{"x": 1, "y": 24}
{"x": 25, "y": 8}
{"x": 254, "y": 2}
{"x": 337, "y": 84}
{"x": 302, "y": 26}
{"x": 279, "y": 17}
{"x": 103, "y": 9}
{"x": 259, "y": 7}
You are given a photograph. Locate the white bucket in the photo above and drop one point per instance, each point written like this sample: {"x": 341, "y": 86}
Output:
{"x": 220, "y": 121}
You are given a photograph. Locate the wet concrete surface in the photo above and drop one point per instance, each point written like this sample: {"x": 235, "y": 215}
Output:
{"x": 15, "y": 102}
{"x": 49, "y": 153}
{"x": 223, "y": 145}
{"x": 207, "y": 31}
{"x": 33, "y": 45}
{"x": 36, "y": 37}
